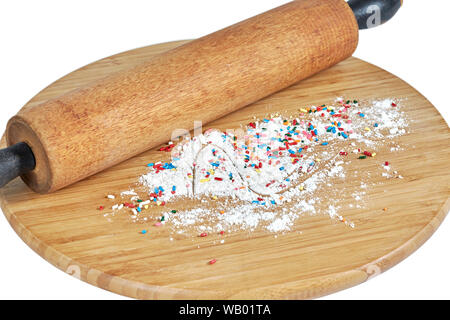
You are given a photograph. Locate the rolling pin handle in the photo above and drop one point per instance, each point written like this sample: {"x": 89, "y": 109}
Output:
{"x": 372, "y": 13}
{"x": 15, "y": 161}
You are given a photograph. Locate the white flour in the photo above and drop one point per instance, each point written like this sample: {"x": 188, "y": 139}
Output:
{"x": 268, "y": 174}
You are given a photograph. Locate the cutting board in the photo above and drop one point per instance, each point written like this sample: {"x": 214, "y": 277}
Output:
{"x": 320, "y": 256}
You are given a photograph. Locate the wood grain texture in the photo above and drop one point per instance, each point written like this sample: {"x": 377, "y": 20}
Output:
{"x": 66, "y": 229}
{"x": 95, "y": 126}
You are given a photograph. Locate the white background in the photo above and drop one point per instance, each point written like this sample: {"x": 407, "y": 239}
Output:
{"x": 40, "y": 41}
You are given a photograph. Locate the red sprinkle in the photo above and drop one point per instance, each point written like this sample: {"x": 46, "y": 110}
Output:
{"x": 204, "y": 234}
{"x": 367, "y": 153}
{"x": 222, "y": 232}
{"x": 343, "y": 153}
{"x": 218, "y": 179}
{"x": 101, "y": 208}
{"x": 212, "y": 261}
{"x": 386, "y": 163}
{"x": 393, "y": 104}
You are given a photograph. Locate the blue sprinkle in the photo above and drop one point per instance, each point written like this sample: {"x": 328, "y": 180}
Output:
{"x": 174, "y": 188}
{"x": 376, "y": 125}
{"x": 344, "y": 135}
{"x": 272, "y": 202}
{"x": 362, "y": 114}
{"x": 281, "y": 168}
{"x": 150, "y": 164}
{"x": 291, "y": 151}
{"x": 138, "y": 209}
{"x": 324, "y": 143}
{"x": 144, "y": 231}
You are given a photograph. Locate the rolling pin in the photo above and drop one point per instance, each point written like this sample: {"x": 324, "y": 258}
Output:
{"x": 85, "y": 131}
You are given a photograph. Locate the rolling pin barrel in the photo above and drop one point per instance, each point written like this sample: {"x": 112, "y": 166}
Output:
{"x": 108, "y": 121}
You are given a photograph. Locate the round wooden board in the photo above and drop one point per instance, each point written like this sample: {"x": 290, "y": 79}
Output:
{"x": 326, "y": 256}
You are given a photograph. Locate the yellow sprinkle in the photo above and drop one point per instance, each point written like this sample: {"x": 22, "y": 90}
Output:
{"x": 158, "y": 203}
{"x": 214, "y": 197}
{"x": 303, "y": 110}
{"x": 367, "y": 129}
{"x": 374, "y": 154}
{"x": 146, "y": 206}
{"x": 257, "y": 170}
{"x": 301, "y": 188}
{"x": 204, "y": 180}
{"x": 317, "y": 159}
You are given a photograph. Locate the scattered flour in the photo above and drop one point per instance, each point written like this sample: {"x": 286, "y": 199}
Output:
{"x": 269, "y": 173}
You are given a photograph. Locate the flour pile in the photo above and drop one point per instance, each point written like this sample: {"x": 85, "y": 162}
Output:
{"x": 269, "y": 173}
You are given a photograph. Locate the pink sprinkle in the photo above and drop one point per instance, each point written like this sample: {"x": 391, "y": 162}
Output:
{"x": 158, "y": 224}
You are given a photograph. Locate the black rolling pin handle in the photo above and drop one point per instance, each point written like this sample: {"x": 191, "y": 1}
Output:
{"x": 372, "y": 13}
{"x": 15, "y": 161}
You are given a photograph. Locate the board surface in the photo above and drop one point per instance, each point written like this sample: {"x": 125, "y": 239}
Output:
{"x": 66, "y": 229}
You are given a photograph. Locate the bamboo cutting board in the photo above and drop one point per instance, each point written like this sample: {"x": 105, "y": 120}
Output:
{"x": 319, "y": 257}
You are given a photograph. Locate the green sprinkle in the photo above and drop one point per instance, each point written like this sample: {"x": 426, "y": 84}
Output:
{"x": 362, "y": 157}
{"x": 174, "y": 211}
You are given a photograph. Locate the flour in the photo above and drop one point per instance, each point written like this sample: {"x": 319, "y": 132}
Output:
{"x": 269, "y": 173}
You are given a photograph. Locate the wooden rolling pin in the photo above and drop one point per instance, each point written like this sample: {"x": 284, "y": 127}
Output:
{"x": 106, "y": 122}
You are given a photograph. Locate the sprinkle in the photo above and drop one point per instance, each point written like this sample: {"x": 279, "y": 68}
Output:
{"x": 203, "y": 234}
{"x": 101, "y": 208}
{"x": 362, "y": 157}
{"x": 386, "y": 163}
{"x": 212, "y": 261}
{"x": 144, "y": 231}
{"x": 110, "y": 196}
{"x": 158, "y": 224}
